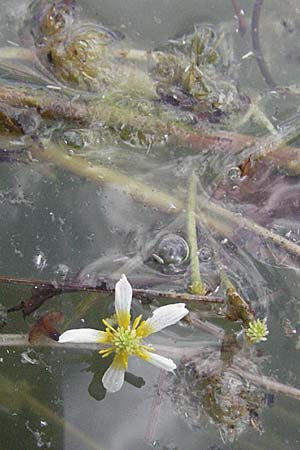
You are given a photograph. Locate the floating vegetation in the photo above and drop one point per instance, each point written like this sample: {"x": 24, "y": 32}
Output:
{"x": 202, "y": 393}
{"x": 192, "y": 211}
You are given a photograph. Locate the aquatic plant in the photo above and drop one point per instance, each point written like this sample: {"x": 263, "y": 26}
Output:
{"x": 205, "y": 390}
{"x": 126, "y": 340}
{"x": 151, "y": 97}
{"x": 257, "y": 331}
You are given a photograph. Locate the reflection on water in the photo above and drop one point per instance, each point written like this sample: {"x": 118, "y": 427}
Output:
{"x": 107, "y": 109}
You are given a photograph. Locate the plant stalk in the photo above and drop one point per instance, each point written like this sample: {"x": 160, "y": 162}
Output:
{"x": 197, "y": 286}
{"x": 103, "y": 288}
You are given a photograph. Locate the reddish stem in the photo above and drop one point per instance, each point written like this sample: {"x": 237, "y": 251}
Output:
{"x": 240, "y": 15}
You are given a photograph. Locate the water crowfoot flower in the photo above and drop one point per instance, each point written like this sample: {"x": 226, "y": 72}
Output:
{"x": 125, "y": 339}
{"x": 257, "y": 331}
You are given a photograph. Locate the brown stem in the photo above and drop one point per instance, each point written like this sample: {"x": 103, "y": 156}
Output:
{"x": 273, "y": 148}
{"x": 153, "y": 294}
{"x": 207, "y": 327}
{"x": 49, "y": 105}
{"x": 103, "y": 288}
{"x": 101, "y": 114}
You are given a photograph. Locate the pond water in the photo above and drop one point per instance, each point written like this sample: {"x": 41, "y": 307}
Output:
{"x": 85, "y": 199}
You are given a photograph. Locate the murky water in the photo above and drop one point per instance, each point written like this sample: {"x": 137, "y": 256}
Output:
{"x": 59, "y": 223}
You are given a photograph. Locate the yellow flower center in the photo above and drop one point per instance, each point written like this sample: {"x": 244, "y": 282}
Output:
{"x": 126, "y": 341}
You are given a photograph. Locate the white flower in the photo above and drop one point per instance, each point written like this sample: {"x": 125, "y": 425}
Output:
{"x": 126, "y": 339}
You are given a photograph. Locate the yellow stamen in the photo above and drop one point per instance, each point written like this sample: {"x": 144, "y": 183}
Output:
{"x": 106, "y": 352}
{"x": 109, "y": 326}
{"x": 143, "y": 354}
{"x": 144, "y": 329}
{"x": 149, "y": 348}
{"x": 127, "y": 340}
{"x": 136, "y": 322}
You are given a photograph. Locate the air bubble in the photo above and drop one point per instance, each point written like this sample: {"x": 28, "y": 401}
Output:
{"x": 171, "y": 250}
{"x": 234, "y": 173}
{"x": 205, "y": 254}
{"x": 40, "y": 260}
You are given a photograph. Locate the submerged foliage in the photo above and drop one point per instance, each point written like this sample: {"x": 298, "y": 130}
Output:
{"x": 133, "y": 122}
{"x": 205, "y": 391}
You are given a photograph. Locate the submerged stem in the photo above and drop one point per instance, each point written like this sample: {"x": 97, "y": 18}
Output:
{"x": 240, "y": 16}
{"x": 151, "y": 196}
{"x": 105, "y": 176}
{"x": 267, "y": 383}
{"x": 81, "y": 309}
{"x": 258, "y": 380}
{"x": 213, "y": 209}
{"x": 103, "y": 288}
{"x": 154, "y": 122}
{"x": 19, "y": 53}
{"x": 197, "y": 286}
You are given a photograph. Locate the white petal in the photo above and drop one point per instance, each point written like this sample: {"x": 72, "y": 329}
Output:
{"x": 166, "y": 315}
{"x": 123, "y": 296}
{"x": 113, "y": 379}
{"x": 82, "y": 335}
{"x": 161, "y": 362}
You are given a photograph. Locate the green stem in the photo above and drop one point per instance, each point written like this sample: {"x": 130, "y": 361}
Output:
{"x": 197, "y": 286}
{"x": 225, "y": 280}
{"x": 49, "y": 105}
{"x": 106, "y": 176}
{"x": 151, "y": 196}
{"x": 19, "y": 53}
